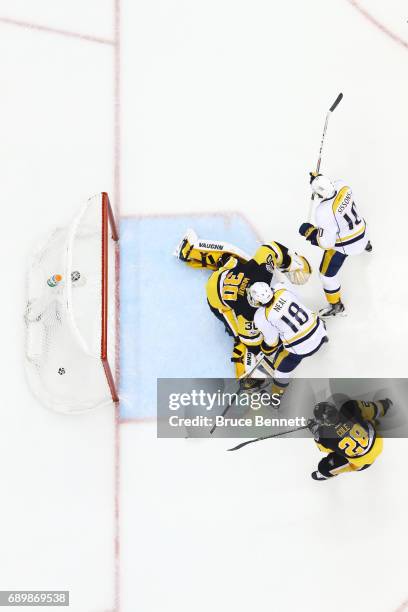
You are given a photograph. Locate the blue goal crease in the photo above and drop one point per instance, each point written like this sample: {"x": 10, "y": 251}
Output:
{"x": 166, "y": 327}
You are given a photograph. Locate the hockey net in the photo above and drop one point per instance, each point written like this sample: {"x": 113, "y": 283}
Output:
{"x": 70, "y": 312}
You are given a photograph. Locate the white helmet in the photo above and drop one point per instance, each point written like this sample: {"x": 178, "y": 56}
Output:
{"x": 259, "y": 294}
{"x": 323, "y": 187}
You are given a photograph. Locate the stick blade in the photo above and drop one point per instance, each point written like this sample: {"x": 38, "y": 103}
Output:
{"x": 238, "y": 446}
{"x": 336, "y": 102}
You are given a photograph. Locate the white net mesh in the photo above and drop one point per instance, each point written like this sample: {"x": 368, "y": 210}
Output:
{"x": 64, "y": 322}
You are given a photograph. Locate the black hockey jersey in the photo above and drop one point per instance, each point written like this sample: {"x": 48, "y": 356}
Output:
{"x": 354, "y": 435}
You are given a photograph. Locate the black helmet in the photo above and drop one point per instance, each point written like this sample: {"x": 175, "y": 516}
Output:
{"x": 326, "y": 413}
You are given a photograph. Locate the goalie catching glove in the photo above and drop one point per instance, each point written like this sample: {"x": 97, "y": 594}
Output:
{"x": 299, "y": 270}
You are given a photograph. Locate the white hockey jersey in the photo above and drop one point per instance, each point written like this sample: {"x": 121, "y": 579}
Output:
{"x": 340, "y": 226}
{"x": 300, "y": 329}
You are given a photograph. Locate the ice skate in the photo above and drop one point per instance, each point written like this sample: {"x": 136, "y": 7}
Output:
{"x": 318, "y": 476}
{"x": 386, "y": 404}
{"x": 333, "y": 310}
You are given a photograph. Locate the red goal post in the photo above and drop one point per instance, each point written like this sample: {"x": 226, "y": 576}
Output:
{"x": 108, "y": 220}
{"x": 71, "y": 311}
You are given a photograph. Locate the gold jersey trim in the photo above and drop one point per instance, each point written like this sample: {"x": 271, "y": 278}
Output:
{"x": 315, "y": 323}
{"x": 276, "y": 296}
{"x": 339, "y": 197}
{"x": 357, "y": 233}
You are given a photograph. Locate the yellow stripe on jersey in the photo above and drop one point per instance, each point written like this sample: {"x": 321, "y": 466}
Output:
{"x": 276, "y": 297}
{"x": 315, "y": 324}
{"x": 280, "y": 357}
{"x": 267, "y": 349}
{"x": 357, "y": 233}
{"x": 339, "y": 197}
{"x": 231, "y": 319}
{"x": 327, "y": 257}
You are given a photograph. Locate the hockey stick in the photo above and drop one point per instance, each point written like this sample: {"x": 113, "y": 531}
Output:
{"x": 283, "y": 433}
{"x": 247, "y": 375}
{"x": 319, "y": 161}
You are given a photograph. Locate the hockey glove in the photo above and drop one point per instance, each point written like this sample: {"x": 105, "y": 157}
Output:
{"x": 309, "y": 231}
{"x": 312, "y": 426}
{"x": 299, "y": 269}
{"x": 313, "y": 175}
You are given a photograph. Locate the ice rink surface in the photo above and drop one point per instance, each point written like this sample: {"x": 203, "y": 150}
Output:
{"x": 188, "y": 108}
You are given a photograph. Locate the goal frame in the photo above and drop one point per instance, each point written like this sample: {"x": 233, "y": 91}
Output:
{"x": 108, "y": 222}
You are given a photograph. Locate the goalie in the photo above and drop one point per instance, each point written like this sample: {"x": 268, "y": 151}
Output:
{"x": 234, "y": 271}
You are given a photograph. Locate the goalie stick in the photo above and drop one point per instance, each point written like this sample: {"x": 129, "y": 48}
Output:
{"x": 283, "y": 433}
{"x": 319, "y": 161}
{"x": 247, "y": 375}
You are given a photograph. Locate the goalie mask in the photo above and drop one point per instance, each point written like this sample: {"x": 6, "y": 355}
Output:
{"x": 326, "y": 414}
{"x": 259, "y": 294}
{"x": 322, "y": 186}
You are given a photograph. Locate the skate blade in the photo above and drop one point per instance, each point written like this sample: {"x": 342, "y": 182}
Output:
{"x": 339, "y": 314}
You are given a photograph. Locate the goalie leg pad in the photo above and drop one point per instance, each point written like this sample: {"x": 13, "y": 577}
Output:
{"x": 211, "y": 254}
{"x": 184, "y": 247}
{"x": 194, "y": 257}
{"x": 244, "y": 360}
